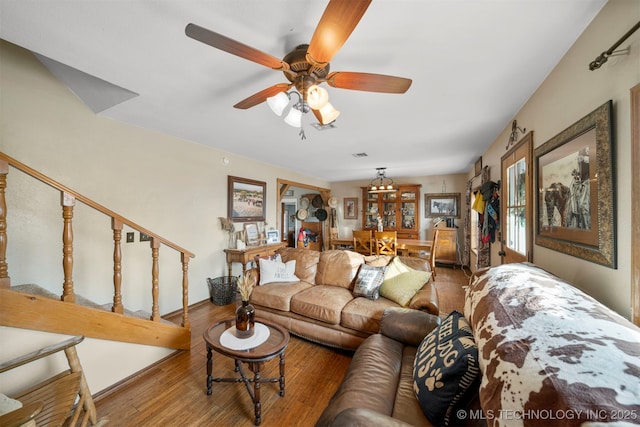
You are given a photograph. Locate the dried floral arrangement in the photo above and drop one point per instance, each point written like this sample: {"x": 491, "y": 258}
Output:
{"x": 245, "y": 285}
{"x": 227, "y": 224}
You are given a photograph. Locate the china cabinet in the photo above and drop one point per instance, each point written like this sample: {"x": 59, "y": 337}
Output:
{"x": 398, "y": 211}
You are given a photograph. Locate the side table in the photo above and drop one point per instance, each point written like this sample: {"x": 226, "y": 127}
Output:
{"x": 245, "y": 256}
{"x": 255, "y": 357}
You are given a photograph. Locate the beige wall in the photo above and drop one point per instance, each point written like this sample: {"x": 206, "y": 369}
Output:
{"x": 569, "y": 93}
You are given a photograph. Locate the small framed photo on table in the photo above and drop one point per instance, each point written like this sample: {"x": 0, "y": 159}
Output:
{"x": 252, "y": 236}
{"x": 273, "y": 236}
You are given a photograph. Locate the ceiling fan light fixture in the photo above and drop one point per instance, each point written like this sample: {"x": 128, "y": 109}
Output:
{"x": 326, "y": 114}
{"x": 278, "y": 102}
{"x": 294, "y": 118}
{"x": 317, "y": 97}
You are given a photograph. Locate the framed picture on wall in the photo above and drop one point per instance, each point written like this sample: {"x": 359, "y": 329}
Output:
{"x": 246, "y": 199}
{"x": 576, "y": 190}
{"x": 350, "y": 208}
{"x": 442, "y": 205}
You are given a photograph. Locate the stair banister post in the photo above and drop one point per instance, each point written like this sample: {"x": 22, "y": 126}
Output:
{"x": 155, "y": 250}
{"x": 68, "y": 202}
{"x": 185, "y": 290}
{"x": 116, "y": 225}
{"x": 5, "y": 281}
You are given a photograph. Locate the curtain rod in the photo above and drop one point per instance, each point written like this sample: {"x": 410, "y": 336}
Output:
{"x": 604, "y": 56}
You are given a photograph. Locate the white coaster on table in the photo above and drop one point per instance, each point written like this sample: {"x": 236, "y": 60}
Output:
{"x": 230, "y": 340}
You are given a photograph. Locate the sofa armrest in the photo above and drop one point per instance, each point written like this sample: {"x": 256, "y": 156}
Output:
{"x": 407, "y": 325}
{"x": 359, "y": 417}
{"x": 426, "y": 299}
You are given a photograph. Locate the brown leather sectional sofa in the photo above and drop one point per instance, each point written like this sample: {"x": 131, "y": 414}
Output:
{"x": 321, "y": 307}
{"x": 548, "y": 355}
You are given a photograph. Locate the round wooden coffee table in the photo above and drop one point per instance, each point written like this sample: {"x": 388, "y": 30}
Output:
{"x": 254, "y": 357}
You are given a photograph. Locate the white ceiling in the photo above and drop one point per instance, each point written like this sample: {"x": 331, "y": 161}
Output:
{"x": 473, "y": 63}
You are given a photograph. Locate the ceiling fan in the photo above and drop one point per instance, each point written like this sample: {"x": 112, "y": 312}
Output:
{"x": 307, "y": 66}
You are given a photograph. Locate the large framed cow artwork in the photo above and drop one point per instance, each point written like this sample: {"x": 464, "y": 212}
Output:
{"x": 442, "y": 205}
{"x": 576, "y": 190}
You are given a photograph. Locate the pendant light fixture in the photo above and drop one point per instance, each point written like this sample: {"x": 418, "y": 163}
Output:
{"x": 382, "y": 184}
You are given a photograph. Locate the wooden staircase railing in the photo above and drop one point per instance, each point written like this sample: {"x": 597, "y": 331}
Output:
{"x": 68, "y": 201}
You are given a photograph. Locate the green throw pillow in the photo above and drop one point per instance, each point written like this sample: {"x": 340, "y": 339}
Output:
{"x": 402, "y": 282}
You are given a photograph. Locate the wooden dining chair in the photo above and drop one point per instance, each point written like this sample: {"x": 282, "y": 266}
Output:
{"x": 362, "y": 242}
{"x": 432, "y": 253}
{"x": 386, "y": 242}
{"x": 429, "y": 255}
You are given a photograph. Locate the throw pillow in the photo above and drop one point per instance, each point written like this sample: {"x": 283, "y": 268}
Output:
{"x": 274, "y": 271}
{"x": 401, "y": 282}
{"x": 445, "y": 368}
{"x": 368, "y": 282}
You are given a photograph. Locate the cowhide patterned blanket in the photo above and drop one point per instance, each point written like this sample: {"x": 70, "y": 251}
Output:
{"x": 551, "y": 355}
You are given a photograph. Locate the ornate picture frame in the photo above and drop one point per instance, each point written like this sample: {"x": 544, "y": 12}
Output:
{"x": 246, "y": 199}
{"x": 576, "y": 190}
{"x": 442, "y": 205}
{"x": 350, "y": 208}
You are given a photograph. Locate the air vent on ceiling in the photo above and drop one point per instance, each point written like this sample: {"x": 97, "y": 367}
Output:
{"x": 360, "y": 155}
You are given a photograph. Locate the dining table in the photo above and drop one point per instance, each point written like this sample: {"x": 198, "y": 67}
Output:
{"x": 404, "y": 246}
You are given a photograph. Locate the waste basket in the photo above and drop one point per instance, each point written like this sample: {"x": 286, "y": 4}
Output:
{"x": 223, "y": 289}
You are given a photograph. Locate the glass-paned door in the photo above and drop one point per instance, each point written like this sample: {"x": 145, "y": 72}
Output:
{"x": 517, "y": 203}
{"x": 408, "y": 210}
{"x": 389, "y": 210}
{"x": 371, "y": 209}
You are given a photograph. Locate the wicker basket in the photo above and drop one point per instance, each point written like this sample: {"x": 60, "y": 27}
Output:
{"x": 222, "y": 289}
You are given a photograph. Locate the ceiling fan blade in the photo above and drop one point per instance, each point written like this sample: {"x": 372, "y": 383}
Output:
{"x": 233, "y": 47}
{"x": 260, "y": 97}
{"x": 338, "y": 21}
{"x": 368, "y": 82}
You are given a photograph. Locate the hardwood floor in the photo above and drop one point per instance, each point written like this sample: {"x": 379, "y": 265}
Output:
{"x": 173, "y": 393}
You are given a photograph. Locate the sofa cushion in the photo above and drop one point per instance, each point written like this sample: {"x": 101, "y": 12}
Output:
{"x": 306, "y": 262}
{"x": 321, "y": 302}
{"x": 365, "y": 315}
{"x": 402, "y": 282}
{"x": 277, "y": 295}
{"x": 406, "y": 407}
{"x": 378, "y": 260}
{"x": 371, "y": 380}
{"x": 368, "y": 282}
{"x": 445, "y": 368}
{"x": 277, "y": 271}
{"x": 338, "y": 268}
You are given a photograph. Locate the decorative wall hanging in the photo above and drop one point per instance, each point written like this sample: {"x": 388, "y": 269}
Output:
{"x": 246, "y": 199}
{"x": 350, "y": 208}
{"x": 576, "y": 191}
{"x": 442, "y": 205}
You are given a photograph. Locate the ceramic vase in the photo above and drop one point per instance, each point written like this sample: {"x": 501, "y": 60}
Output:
{"x": 245, "y": 320}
